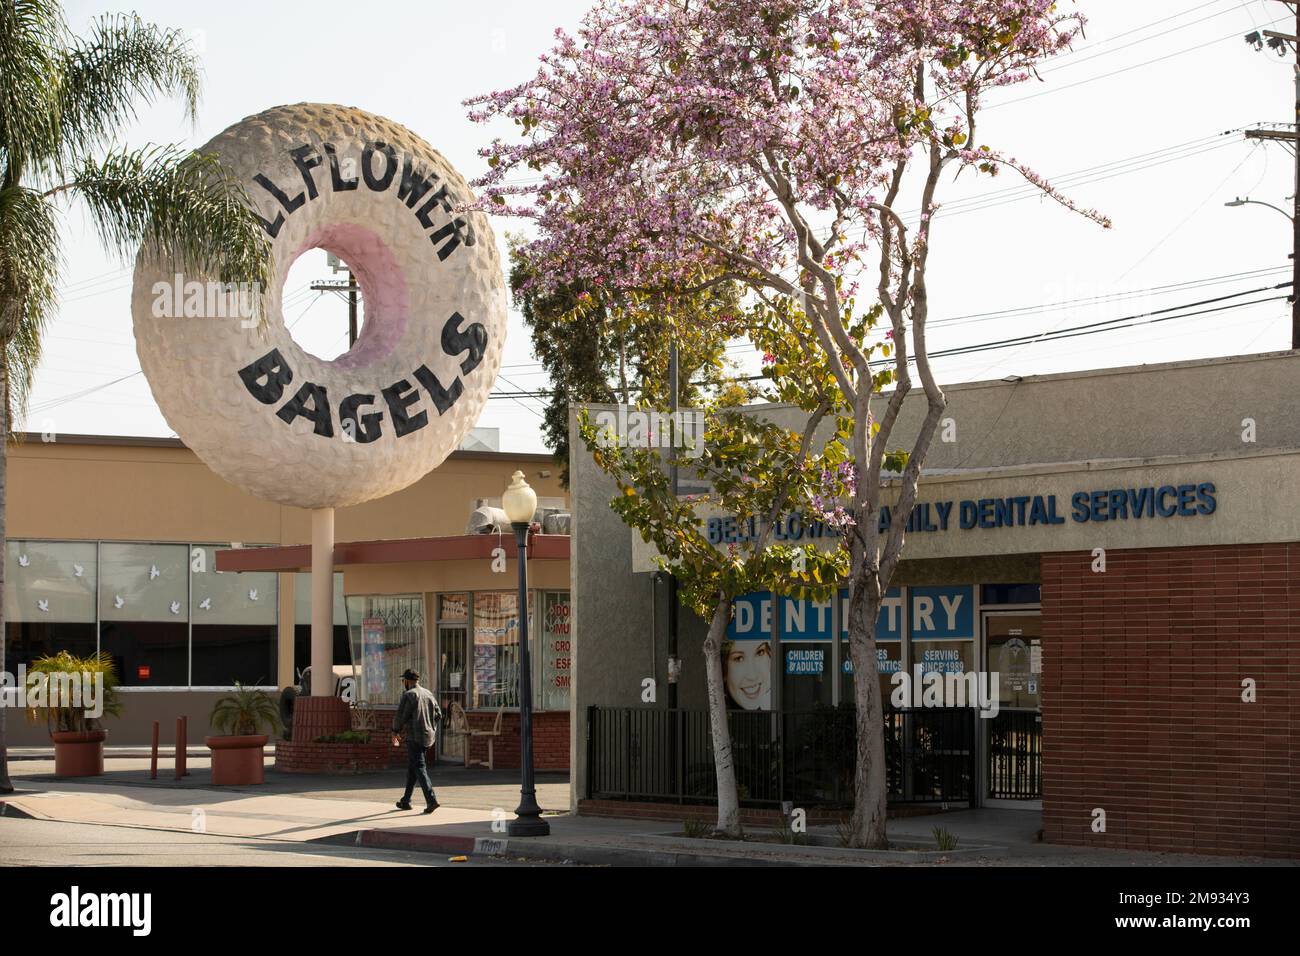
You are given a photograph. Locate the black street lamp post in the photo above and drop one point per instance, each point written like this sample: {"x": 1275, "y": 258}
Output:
{"x": 520, "y": 503}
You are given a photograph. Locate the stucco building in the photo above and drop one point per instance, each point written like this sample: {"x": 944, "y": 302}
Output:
{"x": 1121, "y": 546}
{"x": 124, "y": 545}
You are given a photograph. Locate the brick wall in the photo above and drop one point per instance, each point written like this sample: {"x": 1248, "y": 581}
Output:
{"x": 1142, "y": 709}
{"x": 550, "y": 739}
{"x": 300, "y": 757}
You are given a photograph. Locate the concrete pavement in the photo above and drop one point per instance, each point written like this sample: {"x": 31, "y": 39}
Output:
{"x": 43, "y": 843}
{"x": 358, "y": 811}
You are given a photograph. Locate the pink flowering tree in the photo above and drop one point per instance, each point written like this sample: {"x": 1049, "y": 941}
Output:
{"x": 673, "y": 144}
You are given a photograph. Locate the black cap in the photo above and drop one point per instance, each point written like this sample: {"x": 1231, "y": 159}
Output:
{"x": 410, "y": 675}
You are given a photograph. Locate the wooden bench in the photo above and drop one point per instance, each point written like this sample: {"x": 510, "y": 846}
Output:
{"x": 460, "y": 728}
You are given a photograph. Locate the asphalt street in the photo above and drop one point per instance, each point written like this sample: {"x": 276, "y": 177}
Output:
{"x": 47, "y": 843}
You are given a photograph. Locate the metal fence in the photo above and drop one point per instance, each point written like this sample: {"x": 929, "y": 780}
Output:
{"x": 805, "y": 757}
{"x": 1016, "y": 755}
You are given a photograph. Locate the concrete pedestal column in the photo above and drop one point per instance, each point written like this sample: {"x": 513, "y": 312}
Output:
{"x": 322, "y": 602}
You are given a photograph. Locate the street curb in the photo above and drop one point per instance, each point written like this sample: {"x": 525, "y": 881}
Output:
{"x": 905, "y": 852}
{"x": 15, "y": 812}
{"x": 554, "y": 852}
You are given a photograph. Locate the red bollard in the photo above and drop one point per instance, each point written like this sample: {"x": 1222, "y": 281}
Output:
{"x": 180, "y": 747}
{"x": 153, "y": 756}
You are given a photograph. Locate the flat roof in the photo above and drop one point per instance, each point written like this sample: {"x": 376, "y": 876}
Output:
{"x": 144, "y": 441}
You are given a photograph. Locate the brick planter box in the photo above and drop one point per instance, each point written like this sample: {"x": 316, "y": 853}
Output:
{"x": 294, "y": 757}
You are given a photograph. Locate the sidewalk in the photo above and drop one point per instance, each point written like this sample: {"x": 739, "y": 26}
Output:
{"x": 359, "y": 811}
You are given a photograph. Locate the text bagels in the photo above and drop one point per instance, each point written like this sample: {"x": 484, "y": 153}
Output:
{"x": 267, "y": 379}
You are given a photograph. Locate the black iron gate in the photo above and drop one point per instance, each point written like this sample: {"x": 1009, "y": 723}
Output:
{"x": 1016, "y": 755}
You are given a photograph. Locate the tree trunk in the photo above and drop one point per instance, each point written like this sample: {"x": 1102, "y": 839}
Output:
{"x": 6, "y": 785}
{"x": 728, "y": 798}
{"x": 870, "y": 785}
{"x": 622, "y": 368}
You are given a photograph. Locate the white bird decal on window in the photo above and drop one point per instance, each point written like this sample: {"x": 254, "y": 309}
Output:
{"x": 23, "y": 561}
{"x": 78, "y": 570}
{"x": 153, "y": 571}
{"x": 176, "y": 607}
{"x": 252, "y": 594}
{"x": 43, "y": 605}
{"x": 117, "y": 601}
{"x": 206, "y": 604}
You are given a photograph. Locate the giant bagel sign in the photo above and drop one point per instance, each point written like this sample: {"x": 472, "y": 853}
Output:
{"x": 283, "y": 424}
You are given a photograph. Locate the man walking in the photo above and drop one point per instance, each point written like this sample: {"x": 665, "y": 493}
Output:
{"x": 416, "y": 713}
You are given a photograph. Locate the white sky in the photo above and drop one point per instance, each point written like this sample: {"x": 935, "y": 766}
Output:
{"x": 1181, "y": 81}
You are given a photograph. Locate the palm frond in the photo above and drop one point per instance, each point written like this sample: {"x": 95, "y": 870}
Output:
{"x": 123, "y": 63}
{"x": 32, "y": 37}
{"x": 244, "y": 711}
{"x": 29, "y": 268}
{"x": 172, "y": 204}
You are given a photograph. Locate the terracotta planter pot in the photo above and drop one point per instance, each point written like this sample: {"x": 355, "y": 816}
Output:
{"x": 237, "y": 761}
{"x": 78, "y": 753}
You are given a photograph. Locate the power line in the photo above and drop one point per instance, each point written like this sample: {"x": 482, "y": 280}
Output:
{"x": 1146, "y": 26}
{"x": 1184, "y": 26}
{"x": 1135, "y": 66}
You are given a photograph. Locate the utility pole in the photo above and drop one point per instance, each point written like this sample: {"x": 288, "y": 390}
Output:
{"x": 339, "y": 286}
{"x": 351, "y": 298}
{"x": 673, "y": 603}
{"x": 1279, "y": 43}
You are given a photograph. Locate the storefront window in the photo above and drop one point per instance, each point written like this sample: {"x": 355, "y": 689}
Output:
{"x": 144, "y": 612}
{"x": 496, "y": 649}
{"x": 453, "y": 608}
{"x": 49, "y": 600}
{"x": 946, "y": 616}
{"x": 557, "y": 653}
{"x": 1010, "y": 594}
{"x": 387, "y": 637}
{"x": 302, "y": 623}
{"x": 233, "y": 629}
{"x": 747, "y": 653}
{"x": 806, "y": 629}
{"x": 889, "y": 644}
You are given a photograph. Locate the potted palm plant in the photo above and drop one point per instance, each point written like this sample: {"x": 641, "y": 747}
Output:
{"x": 73, "y": 693}
{"x": 238, "y": 749}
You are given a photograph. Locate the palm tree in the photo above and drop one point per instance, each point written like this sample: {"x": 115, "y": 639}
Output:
{"x": 63, "y": 101}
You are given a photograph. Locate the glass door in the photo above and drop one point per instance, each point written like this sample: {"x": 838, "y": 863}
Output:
{"x": 1013, "y": 651}
{"x": 453, "y": 652}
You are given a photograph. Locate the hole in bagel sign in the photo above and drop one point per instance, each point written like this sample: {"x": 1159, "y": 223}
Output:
{"x": 268, "y": 379}
{"x": 379, "y": 170}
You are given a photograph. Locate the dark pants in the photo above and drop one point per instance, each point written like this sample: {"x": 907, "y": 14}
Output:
{"x": 417, "y": 771}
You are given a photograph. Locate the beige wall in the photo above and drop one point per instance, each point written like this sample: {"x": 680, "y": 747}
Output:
{"x": 130, "y": 492}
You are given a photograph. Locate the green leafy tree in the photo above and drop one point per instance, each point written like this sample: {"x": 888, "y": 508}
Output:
{"x": 756, "y": 470}
{"x": 63, "y": 101}
{"x": 598, "y": 349}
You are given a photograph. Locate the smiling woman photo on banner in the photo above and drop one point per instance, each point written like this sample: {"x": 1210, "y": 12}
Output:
{"x": 747, "y": 674}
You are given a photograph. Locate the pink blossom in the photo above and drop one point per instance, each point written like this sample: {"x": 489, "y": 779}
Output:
{"x": 638, "y": 139}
